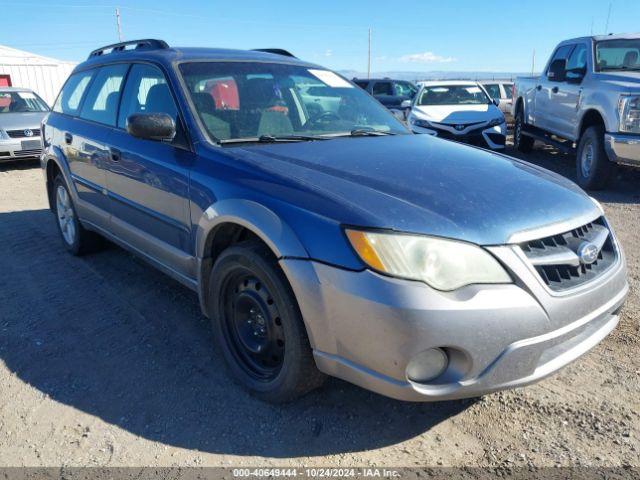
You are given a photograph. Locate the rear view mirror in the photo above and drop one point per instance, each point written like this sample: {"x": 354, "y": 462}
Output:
{"x": 557, "y": 71}
{"x": 151, "y": 126}
{"x": 405, "y": 104}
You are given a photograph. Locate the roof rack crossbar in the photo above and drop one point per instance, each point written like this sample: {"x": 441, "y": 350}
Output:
{"x": 146, "y": 43}
{"x": 275, "y": 51}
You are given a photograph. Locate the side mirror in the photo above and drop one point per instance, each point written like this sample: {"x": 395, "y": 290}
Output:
{"x": 151, "y": 126}
{"x": 557, "y": 71}
{"x": 576, "y": 75}
{"x": 405, "y": 104}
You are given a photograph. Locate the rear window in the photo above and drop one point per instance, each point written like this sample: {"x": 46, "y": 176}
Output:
{"x": 69, "y": 99}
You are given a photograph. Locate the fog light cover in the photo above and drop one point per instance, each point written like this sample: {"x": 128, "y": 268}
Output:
{"x": 427, "y": 365}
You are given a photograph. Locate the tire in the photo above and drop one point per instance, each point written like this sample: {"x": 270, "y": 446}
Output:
{"x": 76, "y": 239}
{"x": 523, "y": 143}
{"x": 258, "y": 325}
{"x": 593, "y": 167}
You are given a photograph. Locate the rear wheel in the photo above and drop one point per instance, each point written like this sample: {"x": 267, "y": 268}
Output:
{"x": 593, "y": 167}
{"x": 75, "y": 237}
{"x": 258, "y": 325}
{"x": 522, "y": 142}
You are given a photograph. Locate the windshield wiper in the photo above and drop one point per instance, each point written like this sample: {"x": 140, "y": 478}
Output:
{"x": 366, "y": 132}
{"x": 273, "y": 139}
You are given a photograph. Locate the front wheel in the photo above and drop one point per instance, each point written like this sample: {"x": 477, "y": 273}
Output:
{"x": 258, "y": 325}
{"x": 593, "y": 167}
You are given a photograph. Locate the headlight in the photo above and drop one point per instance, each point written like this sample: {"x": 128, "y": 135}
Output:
{"x": 420, "y": 123}
{"x": 442, "y": 264}
{"x": 496, "y": 121}
{"x": 3, "y": 135}
{"x": 629, "y": 114}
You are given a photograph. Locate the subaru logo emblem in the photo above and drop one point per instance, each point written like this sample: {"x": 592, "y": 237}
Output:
{"x": 28, "y": 132}
{"x": 459, "y": 127}
{"x": 588, "y": 253}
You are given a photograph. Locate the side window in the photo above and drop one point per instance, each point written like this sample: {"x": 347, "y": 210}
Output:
{"x": 382, "y": 88}
{"x": 577, "y": 62}
{"x": 508, "y": 90}
{"x": 362, "y": 84}
{"x": 101, "y": 103}
{"x": 561, "y": 53}
{"x": 404, "y": 89}
{"x": 69, "y": 99}
{"x": 493, "y": 89}
{"x": 146, "y": 91}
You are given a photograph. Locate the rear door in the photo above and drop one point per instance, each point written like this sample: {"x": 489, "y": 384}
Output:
{"x": 546, "y": 94}
{"x": 149, "y": 180}
{"x": 565, "y": 100}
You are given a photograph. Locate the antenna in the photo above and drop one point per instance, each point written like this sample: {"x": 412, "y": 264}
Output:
{"x": 606, "y": 26}
{"x": 118, "y": 24}
{"x": 533, "y": 62}
{"x": 369, "y": 56}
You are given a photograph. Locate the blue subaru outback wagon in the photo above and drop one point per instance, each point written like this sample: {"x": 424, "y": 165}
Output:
{"x": 323, "y": 237}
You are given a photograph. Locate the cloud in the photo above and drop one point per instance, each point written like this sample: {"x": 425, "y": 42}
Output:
{"x": 328, "y": 52}
{"x": 426, "y": 57}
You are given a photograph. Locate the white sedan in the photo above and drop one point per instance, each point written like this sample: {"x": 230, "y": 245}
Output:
{"x": 458, "y": 110}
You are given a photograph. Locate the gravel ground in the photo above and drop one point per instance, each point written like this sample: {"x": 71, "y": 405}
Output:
{"x": 106, "y": 362}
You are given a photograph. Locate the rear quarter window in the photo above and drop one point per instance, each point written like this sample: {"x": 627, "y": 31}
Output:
{"x": 68, "y": 101}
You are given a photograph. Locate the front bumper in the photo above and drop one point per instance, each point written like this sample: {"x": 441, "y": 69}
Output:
{"x": 489, "y": 137}
{"x": 366, "y": 328}
{"x": 623, "y": 148}
{"x": 15, "y": 149}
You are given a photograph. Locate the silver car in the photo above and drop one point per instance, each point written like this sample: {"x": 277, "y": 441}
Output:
{"x": 21, "y": 113}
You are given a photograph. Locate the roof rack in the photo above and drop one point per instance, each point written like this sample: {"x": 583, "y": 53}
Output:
{"x": 144, "y": 44}
{"x": 275, "y": 51}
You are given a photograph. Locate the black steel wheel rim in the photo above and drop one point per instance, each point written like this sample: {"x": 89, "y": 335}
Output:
{"x": 252, "y": 325}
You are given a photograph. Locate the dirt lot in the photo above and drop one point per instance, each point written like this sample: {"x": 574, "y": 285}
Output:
{"x": 106, "y": 362}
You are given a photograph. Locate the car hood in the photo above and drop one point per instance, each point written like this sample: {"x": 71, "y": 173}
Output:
{"x": 419, "y": 184}
{"x": 16, "y": 121}
{"x": 625, "y": 82}
{"x": 453, "y": 114}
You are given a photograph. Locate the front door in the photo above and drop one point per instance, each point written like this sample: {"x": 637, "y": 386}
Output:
{"x": 568, "y": 96}
{"x": 547, "y": 98}
{"x": 148, "y": 180}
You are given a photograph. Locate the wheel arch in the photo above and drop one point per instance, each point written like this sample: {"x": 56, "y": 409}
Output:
{"x": 54, "y": 164}
{"x": 229, "y": 221}
{"x": 590, "y": 118}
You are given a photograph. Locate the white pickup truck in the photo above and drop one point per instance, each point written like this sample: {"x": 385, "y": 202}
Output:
{"x": 587, "y": 99}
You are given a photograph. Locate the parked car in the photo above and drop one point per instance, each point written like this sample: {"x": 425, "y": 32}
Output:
{"x": 587, "y": 101}
{"x": 21, "y": 113}
{"x": 503, "y": 92}
{"x": 336, "y": 243}
{"x": 391, "y": 93}
{"x": 458, "y": 110}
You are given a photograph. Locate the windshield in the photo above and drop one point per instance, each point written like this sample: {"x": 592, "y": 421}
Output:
{"x": 617, "y": 55}
{"x": 237, "y": 100}
{"x": 21, "y": 102}
{"x": 452, "y": 95}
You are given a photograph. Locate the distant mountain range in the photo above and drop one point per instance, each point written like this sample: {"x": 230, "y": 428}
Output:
{"x": 436, "y": 75}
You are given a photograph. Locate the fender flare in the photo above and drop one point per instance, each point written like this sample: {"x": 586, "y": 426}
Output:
{"x": 253, "y": 216}
{"x": 56, "y": 156}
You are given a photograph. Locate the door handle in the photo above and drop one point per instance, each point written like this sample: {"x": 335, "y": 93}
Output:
{"x": 555, "y": 89}
{"x": 539, "y": 87}
{"x": 115, "y": 154}
{"x": 68, "y": 138}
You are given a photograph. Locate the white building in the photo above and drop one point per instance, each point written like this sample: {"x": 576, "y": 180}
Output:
{"x": 43, "y": 75}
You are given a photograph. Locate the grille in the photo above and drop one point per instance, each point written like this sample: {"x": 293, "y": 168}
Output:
{"x": 558, "y": 263}
{"x": 20, "y": 133}
{"x": 28, "y": 153}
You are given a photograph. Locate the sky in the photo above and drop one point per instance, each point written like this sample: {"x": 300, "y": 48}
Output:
{"x": 416, "y": 36}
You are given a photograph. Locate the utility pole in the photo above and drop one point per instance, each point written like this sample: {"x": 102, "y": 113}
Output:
{"x": 369, "y": 56}
{"x": 118, "y": 24}
{"x": 606, "y": 26}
